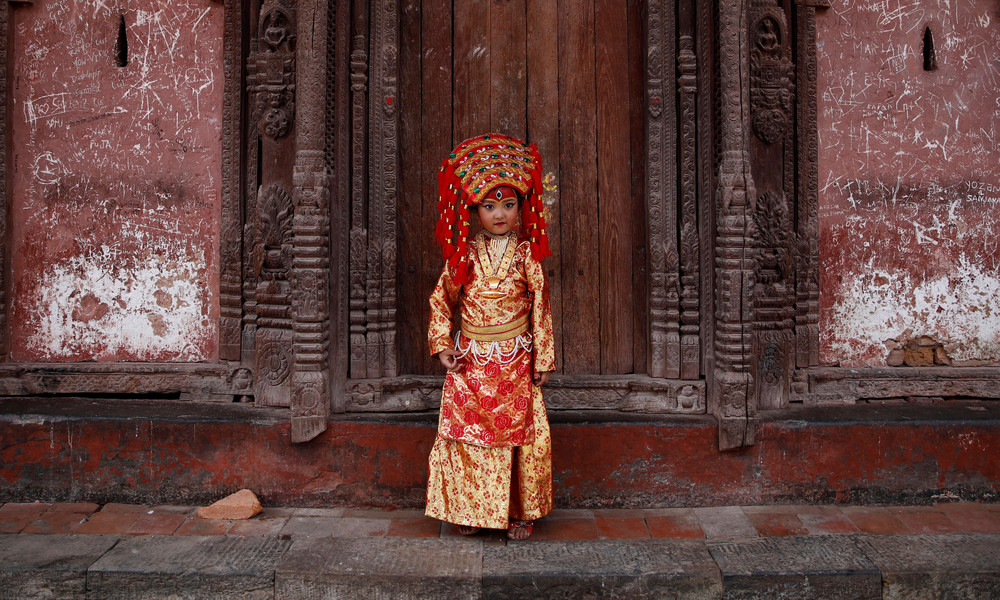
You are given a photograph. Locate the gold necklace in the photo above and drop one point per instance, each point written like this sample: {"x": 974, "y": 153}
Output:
{"x": 495, "y": 270}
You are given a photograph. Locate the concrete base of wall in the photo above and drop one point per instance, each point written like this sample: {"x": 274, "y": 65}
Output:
{"x": 157, "y": 451}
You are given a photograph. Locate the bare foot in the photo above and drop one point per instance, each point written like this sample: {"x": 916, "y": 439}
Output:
{"x": 468, "y": 529}
{"x": 520, "y": 530}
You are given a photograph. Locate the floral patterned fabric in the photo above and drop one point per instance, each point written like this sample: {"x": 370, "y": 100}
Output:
{"x": 492, "y": 457}
{"x": 486, "y": 487}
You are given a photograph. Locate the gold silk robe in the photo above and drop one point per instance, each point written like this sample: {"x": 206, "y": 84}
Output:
{"x": 491, "y": 460}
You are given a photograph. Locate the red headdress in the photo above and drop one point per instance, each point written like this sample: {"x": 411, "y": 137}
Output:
{"x": 477, "y": 166}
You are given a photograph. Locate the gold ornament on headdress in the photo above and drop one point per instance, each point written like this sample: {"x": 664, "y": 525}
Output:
{"x": 477, "y": 166}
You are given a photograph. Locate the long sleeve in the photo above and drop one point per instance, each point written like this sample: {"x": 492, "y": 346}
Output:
{"x": 543, "y": 340}
{"x": 444, "y": 302}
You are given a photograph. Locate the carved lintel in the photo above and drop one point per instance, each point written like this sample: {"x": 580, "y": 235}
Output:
{"x": 567, "y": 392}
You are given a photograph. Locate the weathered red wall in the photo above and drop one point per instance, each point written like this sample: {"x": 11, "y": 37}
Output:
{"x": 117, "y": 178}
{"x": 172, "y": 452}
{"x": 909, "y": 179}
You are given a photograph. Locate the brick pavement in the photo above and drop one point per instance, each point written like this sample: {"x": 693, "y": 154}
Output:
{"x": 563, "y": 524}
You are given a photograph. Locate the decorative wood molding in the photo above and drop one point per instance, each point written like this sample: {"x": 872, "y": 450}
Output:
{"x": 20, "y": 379}
{"x": 338, "y": 153}
{"x": 269, "y": 237}
{"x": 807, "y": 193}
{"x": 661, "y": 193}
{"x": 231, "y": 244}
{"x": 359, "y": 294}
{"x": 840, "y": 385}
{"x": 383, "y": 177}
{"x": 5, "y": 242}
{"x": 581, "y": 392}
{"x": 310, "y": 274}
{"x": 733, "y": 381}
{"x": 687, "y": 83}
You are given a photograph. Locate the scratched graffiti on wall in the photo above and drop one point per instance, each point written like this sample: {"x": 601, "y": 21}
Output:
{"x": 909, "y": 186}
{"x": 116, "y": 125}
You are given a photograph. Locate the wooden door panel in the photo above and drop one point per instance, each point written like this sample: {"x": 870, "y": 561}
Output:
{"x": 550, "y": 72}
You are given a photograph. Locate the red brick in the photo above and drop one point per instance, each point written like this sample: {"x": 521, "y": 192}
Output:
{"x": 158, "y": 523}
{"x": 770, "y": 524}
{"x": 972, "y": 518}
{"x": 673, "y": 523}
{"x": 75, "y": 507}
{"x": 830, "y": 523}
{"x": 420, "y": 527}
{"x": 631, "y": 528}
{"x": 199, "y": 526}
{"x": 56, "y": 520}
{"x": 14, "y": 517}
{"x": 969, "y": 521}
{"x": 109, "y": 522}
{"x": 124, "y": 508}
{"x": 876, "y": 519}
{"x": 926, "y": 520}
{"x": 565, "y": 529}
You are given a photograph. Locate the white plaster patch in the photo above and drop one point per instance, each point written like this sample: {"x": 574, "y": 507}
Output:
{"x": 960, "y": 310}
{"x": 154, "y": 311}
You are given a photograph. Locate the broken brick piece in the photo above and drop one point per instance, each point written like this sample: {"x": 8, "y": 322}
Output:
{"x": 241, "y": 505}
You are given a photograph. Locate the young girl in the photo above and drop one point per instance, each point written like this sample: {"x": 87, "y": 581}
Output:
{"x": 490, "y": 465}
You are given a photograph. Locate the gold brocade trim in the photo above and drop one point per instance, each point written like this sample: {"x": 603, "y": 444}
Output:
{"x": 498, "y": 271}
{"x": 496, "y": 333}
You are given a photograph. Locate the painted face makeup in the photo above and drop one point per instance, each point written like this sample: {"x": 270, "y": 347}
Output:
{"x": 498, "y": 210}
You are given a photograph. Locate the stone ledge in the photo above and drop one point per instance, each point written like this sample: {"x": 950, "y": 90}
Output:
{"x": 219, "y": 567}
{"x": 264, "y": 567}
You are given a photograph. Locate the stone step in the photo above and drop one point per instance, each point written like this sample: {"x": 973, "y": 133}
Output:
{"x": 891, "y": 567}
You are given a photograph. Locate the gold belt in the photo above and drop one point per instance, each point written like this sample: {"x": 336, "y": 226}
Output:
{"x": 496, "y": 333}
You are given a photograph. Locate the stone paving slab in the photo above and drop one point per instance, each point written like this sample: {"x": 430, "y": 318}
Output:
{"x": 803, "y": 568}
{"x": 633, "y": 569}
{"x": 33, "y": 566}
{"x": 182, "y": 567}
{"x": 377, "y": 568}
{"x": 922, "y": 567}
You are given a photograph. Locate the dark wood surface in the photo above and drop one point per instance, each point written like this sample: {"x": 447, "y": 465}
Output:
{"x": 546, "y": 72}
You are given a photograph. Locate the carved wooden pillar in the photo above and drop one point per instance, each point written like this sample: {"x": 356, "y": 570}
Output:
{"x": 310, "y": 275}
{"x": 271, "y": 83}
{"x": 661, "y": 192}
{"x": 231, "y": 273}
{"x": 338, "y": 41}
{"x": 772, "y": 154}
{"x": 807, "y": 188}
{"x": 359, "y": 193}
{"x": 5, "y": 247}
{"x": 687, "y": 83}
{"x": 383, "y": 172}
{"x": 732, "y": 398}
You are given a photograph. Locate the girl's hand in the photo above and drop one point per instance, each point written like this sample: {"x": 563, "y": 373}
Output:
{"x": 447, "y": 358}
{"x": 542, "y": 378}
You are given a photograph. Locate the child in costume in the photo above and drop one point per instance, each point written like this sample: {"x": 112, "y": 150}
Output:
{"x": 490, "y": 465}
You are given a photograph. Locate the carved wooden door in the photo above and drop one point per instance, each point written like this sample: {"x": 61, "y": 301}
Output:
{"x": 568, "y": 77}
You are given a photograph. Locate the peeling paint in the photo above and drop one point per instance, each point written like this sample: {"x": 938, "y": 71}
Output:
{"x": 877, "y": 305}
{"x": 909, "y": 189}
{"x": 117, "y": 181}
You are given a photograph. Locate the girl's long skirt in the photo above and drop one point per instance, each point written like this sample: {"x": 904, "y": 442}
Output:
{"x": 487, "y": 487}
